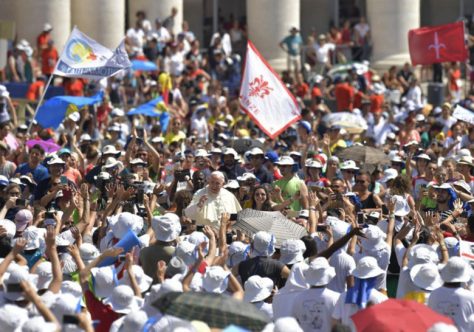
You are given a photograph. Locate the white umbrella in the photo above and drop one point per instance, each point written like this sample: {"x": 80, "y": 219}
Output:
{"x": 352, "y": 123}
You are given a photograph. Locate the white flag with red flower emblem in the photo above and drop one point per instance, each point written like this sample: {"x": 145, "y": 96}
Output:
{"x": 264, "y": 97}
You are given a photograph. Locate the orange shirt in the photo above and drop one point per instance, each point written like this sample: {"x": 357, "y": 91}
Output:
{"x": 358, "y": 100}
{"x": 376, "y": 102}
{"x": 34, "y": 90}
{"x": 48, "y": 60}
{"x": 344, "y": 94}
{"x": 453, "y": 78}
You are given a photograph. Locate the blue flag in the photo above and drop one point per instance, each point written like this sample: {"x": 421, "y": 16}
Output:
{"x": 154, "y": 108}
{"x": 53, "y": 111}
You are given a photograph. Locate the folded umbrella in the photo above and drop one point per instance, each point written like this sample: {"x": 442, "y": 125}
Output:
{"x": 217, "y": 310}
{"x": 396, "y": 315}
{"x": 144, "y": 65}
{"x": 364, "y": 154}
{"x": 251, "y": 221}
{"x": 242, "y": 145}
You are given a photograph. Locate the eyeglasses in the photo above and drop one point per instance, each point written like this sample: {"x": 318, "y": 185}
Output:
{"x": 360, "y": 181}
{"x": 348, "y": 171}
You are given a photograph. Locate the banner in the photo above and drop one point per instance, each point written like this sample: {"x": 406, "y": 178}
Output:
{"x": 442, "y": 43}
{"x": 84, "y": 57}
{"x": 264, "y": 97}
{"x": 463, "y": 114}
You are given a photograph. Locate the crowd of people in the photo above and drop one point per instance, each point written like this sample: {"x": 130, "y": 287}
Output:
{"x": 109, "y": 213}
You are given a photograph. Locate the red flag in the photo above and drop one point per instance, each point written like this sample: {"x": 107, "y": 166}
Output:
{"x": 442, "y": 43}
{"x": 264, "y": 97}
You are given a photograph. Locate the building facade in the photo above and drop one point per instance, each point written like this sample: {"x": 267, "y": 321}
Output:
{"x": 266, "y": 21}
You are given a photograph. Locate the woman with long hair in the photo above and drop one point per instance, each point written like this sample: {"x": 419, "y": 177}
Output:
{"x": 260, "y": 199}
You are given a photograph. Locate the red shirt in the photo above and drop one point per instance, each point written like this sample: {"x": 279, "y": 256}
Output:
{"x": 376, "y": 102}
{"x": 42, "y": 40}
{"x": 316, "y": 92}
{"x": 302, "y": 89}
{"x": 33, "y": 92}
{"x": 100, "y": 312}
{"x": 49, "y": 57}
{"x": 344, "y": 94}
{"x": 74, "y": 87}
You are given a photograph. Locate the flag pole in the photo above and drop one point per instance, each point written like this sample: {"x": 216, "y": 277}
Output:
{"x": 40, "y": 102}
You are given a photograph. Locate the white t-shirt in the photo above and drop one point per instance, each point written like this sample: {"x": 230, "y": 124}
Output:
{"x": 457, "y": 303}
{"x": 314, "y": 307}
{"x": 282, "y": 303}
{"x": 322, "y": 52}
{"x": 177, "y": 63}
{"x": 447, "y": 123}
{"x": 343, "y": 311}
{"x": 265, "y": 308}
{"x": 344, "y": 264}
{"x": 362, "y": 29}
{"x": 136, "y": 37}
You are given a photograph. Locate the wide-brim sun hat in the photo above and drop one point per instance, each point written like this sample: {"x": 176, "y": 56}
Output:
{"x": 257, "y": 288}
{"x": 123, "y": 301}
{"x": 456, "y": 270}
{"x": 166, "y": 227}
{"x": 426, "y": 276}
{"x": 215, "y": 279}
{"x": 291, "y": 251}
{"x": 401, "y": 206}
{"x": 366, "y": 268}
{"x": 285, "y": 161}
{"x": 389, "y": 174}
{"x": 319, "y": 272}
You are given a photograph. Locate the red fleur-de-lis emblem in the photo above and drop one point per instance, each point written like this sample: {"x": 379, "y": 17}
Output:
{"x": 259, "y": 87}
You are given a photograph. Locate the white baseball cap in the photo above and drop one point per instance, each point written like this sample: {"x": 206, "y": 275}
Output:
{"x": 389, "y": 174}
{"x": 285, "y": 161}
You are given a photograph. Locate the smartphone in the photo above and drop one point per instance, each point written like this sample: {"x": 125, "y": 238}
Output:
{"x": 121, "y": 258}
{"x": 199, "y": 228}
{"x": 321, "y": 228}
{"x": 181, "y": 175}
{"x": 70, "y": 319}
{"x": 63, "y": 179}
{"x": 62, "y": 249}
{"x": 20, "y": 202}
{"x": 49, "y": 215}
{"x": 360, "y": 218}
{"x": 233, "y": 217}
{"x": 14, "y": 288}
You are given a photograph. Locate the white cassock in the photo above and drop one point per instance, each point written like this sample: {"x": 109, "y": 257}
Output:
{"x": 213, "y": 208}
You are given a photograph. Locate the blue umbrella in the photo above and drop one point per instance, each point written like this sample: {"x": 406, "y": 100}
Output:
{"x": 150, "y": 109}
{"x": 144, "y": 65}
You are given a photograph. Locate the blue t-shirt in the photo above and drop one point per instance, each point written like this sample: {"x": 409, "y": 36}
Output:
{"x": 293, "y": 44}
{"x": 39, "y": 173}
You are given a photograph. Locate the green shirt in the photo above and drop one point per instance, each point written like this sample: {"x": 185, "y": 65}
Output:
{"x": 289, "y": 188}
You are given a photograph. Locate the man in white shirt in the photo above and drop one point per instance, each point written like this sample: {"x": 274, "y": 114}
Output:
{"x": 379, "y": 128}
{"x": 322, "y": 49}
{"x": 452, "y": 299}
{"x": 313, "y": 308}
{"x": 211, "y": 202}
